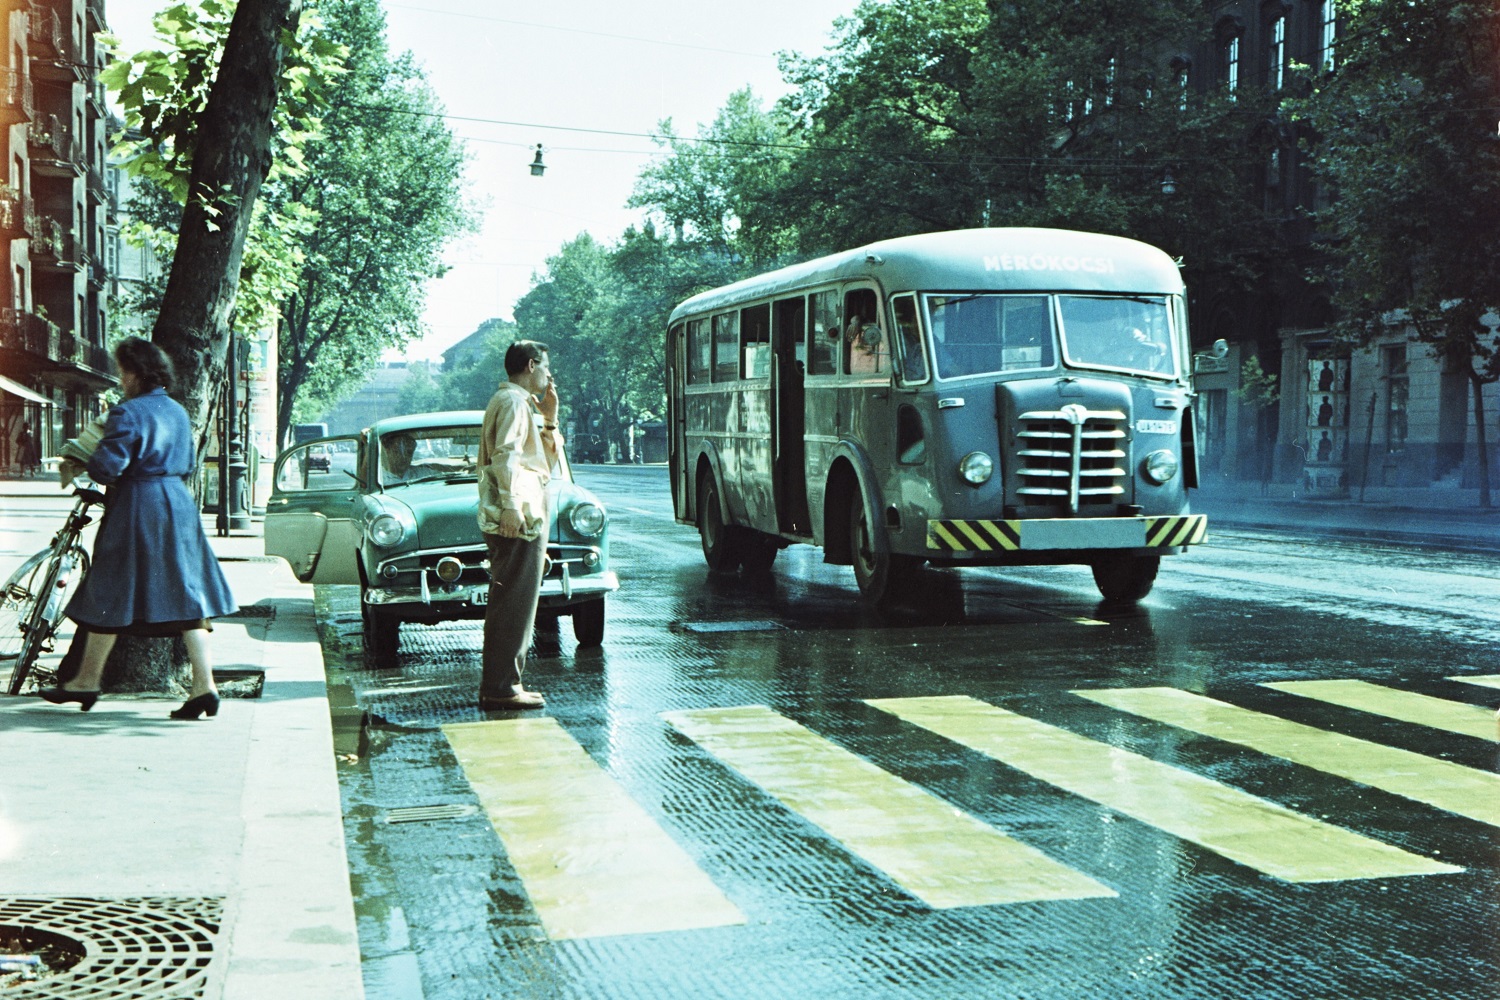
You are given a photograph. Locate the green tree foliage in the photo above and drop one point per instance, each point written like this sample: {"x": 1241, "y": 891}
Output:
{"x": 385, "y": 187}
{"x": 1405, "y": 139}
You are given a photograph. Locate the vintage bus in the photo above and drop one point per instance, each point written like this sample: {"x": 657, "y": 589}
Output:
{"x": 987, "y": 397}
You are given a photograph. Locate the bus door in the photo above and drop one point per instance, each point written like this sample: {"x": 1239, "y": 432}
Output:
{"x": 677, "y": 420}
{"x": 820, "y": 414}
{"x": 788, "y": 470}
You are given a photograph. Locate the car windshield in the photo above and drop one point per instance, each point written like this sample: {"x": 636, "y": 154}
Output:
{"x": 983, "y": 334}
{"x": 1122, "y": 333}
{"x": 428, "y": 454}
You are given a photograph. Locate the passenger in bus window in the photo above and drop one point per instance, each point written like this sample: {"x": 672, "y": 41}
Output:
{"x": 864, "y": 348}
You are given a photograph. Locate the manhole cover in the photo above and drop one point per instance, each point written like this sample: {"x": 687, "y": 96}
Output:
{"x": 750, "y": 626}
{"x": 426, "y": 814}
{"x": 130, "y": 948}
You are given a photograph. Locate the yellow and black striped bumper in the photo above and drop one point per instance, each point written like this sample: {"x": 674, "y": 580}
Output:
{"x": 1037, "y": 534}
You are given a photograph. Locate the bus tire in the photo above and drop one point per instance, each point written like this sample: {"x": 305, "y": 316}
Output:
{"x": 881, "y": 576}
{"x": 757, "y": 554}
{"x": 1125, "y": 579}
{"x": 722, "y": 543}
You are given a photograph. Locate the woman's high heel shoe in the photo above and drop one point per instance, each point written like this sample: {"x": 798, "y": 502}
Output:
{"x": 204, "y": 704}
{"x": 62, "y": 696}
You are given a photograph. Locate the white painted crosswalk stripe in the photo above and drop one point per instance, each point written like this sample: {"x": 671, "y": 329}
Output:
{"x": 1440, "y": 783}
{"x": 1250, "y": 830}
{"x": 1404, "y": 706}
{"x": 593, "y": 862}
{"x": 939, "y": 854}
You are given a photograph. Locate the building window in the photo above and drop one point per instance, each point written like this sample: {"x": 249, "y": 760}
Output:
{"x": 1231, "y": 58}
{"x": 1397, "y": 389}
{"x": 1276, "y": 53}
{"x": 1327, "y": 35}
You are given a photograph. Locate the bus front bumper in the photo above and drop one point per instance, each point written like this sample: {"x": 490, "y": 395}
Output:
{"x": 1070, "y": 533}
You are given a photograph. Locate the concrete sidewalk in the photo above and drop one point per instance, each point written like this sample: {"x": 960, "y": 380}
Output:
{"x": 220, "y": 839}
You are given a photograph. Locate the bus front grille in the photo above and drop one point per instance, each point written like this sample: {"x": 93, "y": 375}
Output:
{"x": 1071, "y": 456}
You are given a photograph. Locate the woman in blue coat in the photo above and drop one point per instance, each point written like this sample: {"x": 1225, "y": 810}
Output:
{"x": 153, "y": 571}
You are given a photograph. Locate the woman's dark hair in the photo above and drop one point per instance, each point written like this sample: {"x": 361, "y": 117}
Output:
{"x": 145, "y": 361}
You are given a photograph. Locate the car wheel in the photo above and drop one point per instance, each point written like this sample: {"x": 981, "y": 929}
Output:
{"x": 588, "y": 622}
{"x": 721, "y": 542}
{"x": 382, "y": 636}
{"x": 1125, "y": 579}
{"x": 882, "y": 576}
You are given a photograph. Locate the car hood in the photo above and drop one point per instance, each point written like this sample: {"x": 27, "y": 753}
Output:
{"x": 447, "y": 514}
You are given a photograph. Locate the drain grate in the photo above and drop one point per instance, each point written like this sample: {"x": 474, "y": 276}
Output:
{"x": 426, "y": 814}
{"x": 747, "y": 626}
{"x": 133, "y": 949}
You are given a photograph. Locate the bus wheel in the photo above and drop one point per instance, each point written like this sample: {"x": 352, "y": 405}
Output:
{"x": 1125, "y": 579}
{"x": 757, "y": 553}
{"x": 721, "y": 542}
{"x": 881, "y": 575}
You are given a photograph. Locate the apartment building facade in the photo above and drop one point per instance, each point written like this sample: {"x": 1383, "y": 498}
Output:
{"x": 56, "y": 221}
{"x": 1384, "y": 422}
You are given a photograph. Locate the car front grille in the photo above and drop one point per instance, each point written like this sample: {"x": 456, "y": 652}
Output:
{"x": 1072, "y": 456}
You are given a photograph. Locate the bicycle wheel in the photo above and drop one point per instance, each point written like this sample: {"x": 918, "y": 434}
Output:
{"x": 19, "y": 604}
{"x": 40, "y": 605}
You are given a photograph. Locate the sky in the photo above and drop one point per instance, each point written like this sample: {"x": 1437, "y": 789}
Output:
{"x": 570, "y": 75}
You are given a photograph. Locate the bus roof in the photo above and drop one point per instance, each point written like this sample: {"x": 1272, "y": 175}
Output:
{"x": 970, "y": 260}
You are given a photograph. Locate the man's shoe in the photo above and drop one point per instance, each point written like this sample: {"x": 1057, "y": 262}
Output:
{"x": 506, "y": 703}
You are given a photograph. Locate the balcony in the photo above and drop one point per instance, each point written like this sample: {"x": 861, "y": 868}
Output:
{"x": 98, "y": 193}
{"x": 29, "y": 343}
{"x": 17, "y": 215}
{"x": 17, "y": 100}
{"x": 78, "y": 352}
{"x": 28, "y": 333}
{"x": 96, "y": 11}
{"x": 46, "y": 241}
{"x": 46, "y": 33}
{"x": 54, "y": 152}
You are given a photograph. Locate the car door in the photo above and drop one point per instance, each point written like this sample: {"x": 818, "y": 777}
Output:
{"x": 312, "y": 518}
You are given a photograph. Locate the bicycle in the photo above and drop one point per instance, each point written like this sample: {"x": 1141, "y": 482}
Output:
{"x": 32, "y": 603}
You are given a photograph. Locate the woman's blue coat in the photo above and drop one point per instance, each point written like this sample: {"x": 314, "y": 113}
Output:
{"x": 152, "y": 562}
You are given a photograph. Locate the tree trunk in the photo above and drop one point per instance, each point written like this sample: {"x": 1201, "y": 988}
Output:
{"x": 231, "y": 158}
{"x": 1481, "y": 438}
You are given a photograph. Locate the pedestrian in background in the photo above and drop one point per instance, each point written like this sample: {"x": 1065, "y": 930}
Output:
{"x": 153, "y": 571}
{"x": 27, "y": 452}
{"x": 515, "y": 464}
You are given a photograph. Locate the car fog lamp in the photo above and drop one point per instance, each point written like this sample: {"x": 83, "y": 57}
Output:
{"x": 976, "y": 467}
{"x": 590, "y": 559}
{"x": 1160, "y": 466}
{"x": 587, "y": 519}
{"x": 389, "y": 572}
{"x": 449, "y": 569}
{"x": 386, "y": 530}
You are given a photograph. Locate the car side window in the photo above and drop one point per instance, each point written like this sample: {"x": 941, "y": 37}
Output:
{"x": 315, "y": 467}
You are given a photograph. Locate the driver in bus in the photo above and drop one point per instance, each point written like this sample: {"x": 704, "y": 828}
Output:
{"x": 1149, "y": 354}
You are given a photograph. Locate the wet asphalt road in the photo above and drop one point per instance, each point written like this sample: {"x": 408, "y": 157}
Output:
{"x": 1167, "y": 815}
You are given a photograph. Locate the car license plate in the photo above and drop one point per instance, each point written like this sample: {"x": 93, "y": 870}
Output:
{"x": 479, "y": 595}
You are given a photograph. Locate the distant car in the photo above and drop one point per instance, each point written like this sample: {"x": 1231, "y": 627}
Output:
{"x": 403, "y": 527}
{"x": 318, "y": 459}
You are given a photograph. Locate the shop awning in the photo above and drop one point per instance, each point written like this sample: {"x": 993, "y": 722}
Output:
{"x": 17, "y": 389}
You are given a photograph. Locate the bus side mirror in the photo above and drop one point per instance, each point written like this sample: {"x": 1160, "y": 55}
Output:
{"x": 1220, "y": 348}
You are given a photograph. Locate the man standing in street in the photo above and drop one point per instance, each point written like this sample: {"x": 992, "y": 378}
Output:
{"x": 515, "y": 463}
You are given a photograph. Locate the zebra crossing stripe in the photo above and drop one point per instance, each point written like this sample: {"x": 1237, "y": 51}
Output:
{"x": 942, "y": 856}
{"x": 1250, "y": 830}
{"x": 1483, "y": 680}
{"x": 1440, "y": 783}
{"x": 592, "y": 860}
{"x": 1404, "y": 706}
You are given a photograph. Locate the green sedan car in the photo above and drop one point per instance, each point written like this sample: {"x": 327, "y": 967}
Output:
{"x": 395, "y": 512}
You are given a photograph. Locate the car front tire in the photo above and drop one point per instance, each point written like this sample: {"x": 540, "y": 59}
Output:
{"x": 382, "y": 636}
{"x": 588, "y": 622}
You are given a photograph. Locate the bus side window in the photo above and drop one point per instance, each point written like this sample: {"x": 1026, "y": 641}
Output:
{"x": 700, "y": 352}
{"x": 913, "y": 358}
{"x": 726, "y": 347}
{"x": 823, "y": 334}
{"x": 755, "y": 341}
{"x": 866, "y": 350}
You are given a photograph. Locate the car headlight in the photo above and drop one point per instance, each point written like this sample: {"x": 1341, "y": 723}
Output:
{"x": 1159, "y": 466}
{"x": 386, "y": 530}
{"x": 587, "y": 519}
{"x": 976, "y": 467}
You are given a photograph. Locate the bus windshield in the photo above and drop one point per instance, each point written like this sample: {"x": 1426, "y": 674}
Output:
{"x": 983, "y": 334}
{"x": 1121, "y": 333}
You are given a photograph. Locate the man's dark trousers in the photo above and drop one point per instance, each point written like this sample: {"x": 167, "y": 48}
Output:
{"x": 515, "y": 584}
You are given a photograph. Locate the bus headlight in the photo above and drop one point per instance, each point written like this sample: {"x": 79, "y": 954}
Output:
{"x": 1159, "y": 466}
{"x": 386, "y": 530}
{"x": 587, "y": 519}
{"x": 976, "y": 467}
